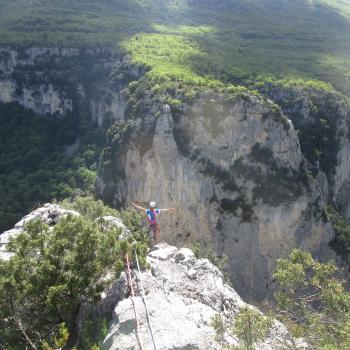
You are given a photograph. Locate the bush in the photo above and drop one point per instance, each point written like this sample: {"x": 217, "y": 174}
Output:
{"x": 249, "y": 327}
{"x": 53, "y": 271}
{"x": 313, "y": 301}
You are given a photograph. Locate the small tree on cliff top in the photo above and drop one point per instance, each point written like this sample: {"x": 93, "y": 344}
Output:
{"x": 249, "y": 327}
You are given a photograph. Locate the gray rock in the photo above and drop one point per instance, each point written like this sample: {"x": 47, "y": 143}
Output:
{"x": 117, "y": 222}
{"x": 51, "y": 214}
{"x": 181, "y": 307}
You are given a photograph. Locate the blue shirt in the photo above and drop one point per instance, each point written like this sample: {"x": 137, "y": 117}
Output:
{"x": 152, "y": 216}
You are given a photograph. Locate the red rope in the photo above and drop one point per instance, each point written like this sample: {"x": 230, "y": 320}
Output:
{"x": 133, "y": 303}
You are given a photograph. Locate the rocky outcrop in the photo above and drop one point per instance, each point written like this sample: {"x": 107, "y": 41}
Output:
{"x": 182, "y": 294}
{"x": 110, "y": 221}
{"x": 232, "y": 165}
{"x": 50, "y": 214}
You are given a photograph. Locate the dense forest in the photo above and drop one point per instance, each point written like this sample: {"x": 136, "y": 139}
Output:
{"x": 36, "y": 165}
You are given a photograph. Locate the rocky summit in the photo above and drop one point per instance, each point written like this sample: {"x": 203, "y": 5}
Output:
{"x": 182, "y": 294}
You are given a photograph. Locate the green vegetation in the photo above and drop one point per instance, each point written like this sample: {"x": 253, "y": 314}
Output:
{"x": 89, "y": 207}
{"x": 249, "y": 327}
{"x": 60, "y": 340}
{"x": 167, "y": 56}
{"x": 313, "y": 302}
{"x": 52, "y": 272}
{"x": 34, "y": 165}
{"x": 199, "y": 41}
{"x": 93, "y": 333}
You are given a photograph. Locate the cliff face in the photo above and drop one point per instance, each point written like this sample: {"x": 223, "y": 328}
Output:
{"x": 232, "y": 165}
{"x": 58, "y": 81}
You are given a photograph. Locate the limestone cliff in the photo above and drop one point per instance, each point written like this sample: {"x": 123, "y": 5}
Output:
{"x": 57, "y": 81}
{"x": 232, "y": 165}
{"x": 322, "y": 119}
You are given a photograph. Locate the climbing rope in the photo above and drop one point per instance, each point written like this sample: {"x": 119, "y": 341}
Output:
{"x": 133, "y": 303}
{"x": 144, "y": 301}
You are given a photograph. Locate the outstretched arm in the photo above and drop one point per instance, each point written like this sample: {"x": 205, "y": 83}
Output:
{"x": 168, "y": 209}
{"x": 138, "y": 207}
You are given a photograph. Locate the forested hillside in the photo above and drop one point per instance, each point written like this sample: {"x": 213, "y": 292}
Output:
{"x": 35, "y": 164}
{"x": 227, "y": 40}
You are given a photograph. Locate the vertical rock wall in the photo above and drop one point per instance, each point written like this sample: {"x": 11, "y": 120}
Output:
{"x": 233, "y": 167}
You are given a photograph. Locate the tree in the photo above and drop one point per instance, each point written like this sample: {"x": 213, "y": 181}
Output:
{"x": 313, "y": 301}
{"x": 54, "y": 270}
{"x": 249, "y": 327}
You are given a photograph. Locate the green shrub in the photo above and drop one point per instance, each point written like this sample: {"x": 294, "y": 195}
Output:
{"x": 249, "y": 327}
{"x": 53, "y": 271}
{"x": 313, "y": 301}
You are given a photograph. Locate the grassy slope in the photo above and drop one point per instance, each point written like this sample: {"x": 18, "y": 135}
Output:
{"x": 227, "y": 40}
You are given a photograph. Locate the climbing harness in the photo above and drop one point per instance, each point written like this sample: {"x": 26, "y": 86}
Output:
{"x": 144, "y": 301}
{"x": 133, "y": 303}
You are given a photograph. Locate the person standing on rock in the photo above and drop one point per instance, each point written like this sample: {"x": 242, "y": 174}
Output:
{"x": 152, "y": 217}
